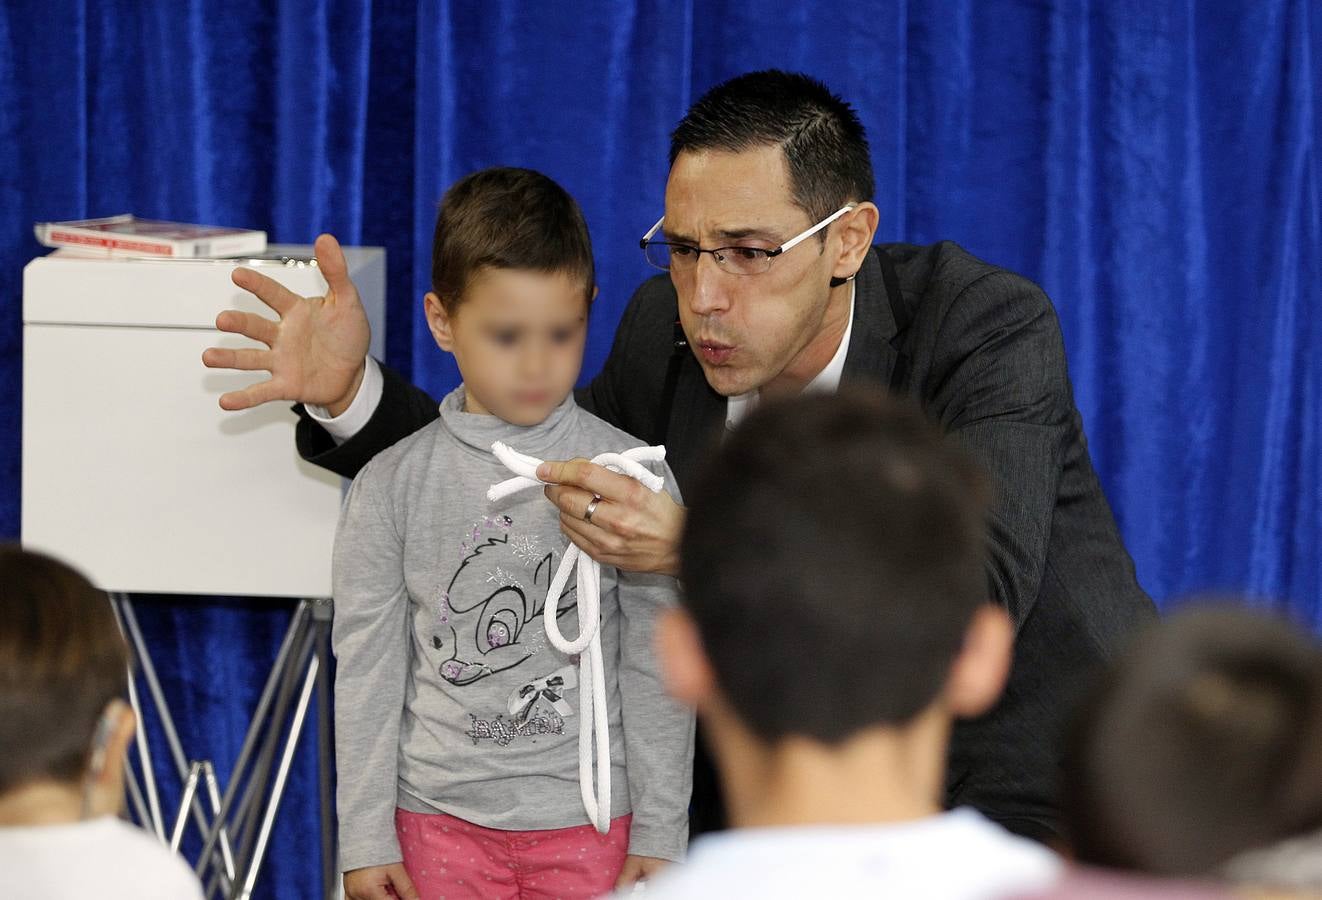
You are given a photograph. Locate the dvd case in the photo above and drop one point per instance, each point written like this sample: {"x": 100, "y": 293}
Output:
{"x": 127, "y": 235}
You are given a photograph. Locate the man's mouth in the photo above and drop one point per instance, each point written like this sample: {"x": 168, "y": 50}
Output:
{"x": 715, "y": 352}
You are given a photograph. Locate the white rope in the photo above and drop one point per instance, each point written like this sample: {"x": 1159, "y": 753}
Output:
{"x": 593, "y": 721}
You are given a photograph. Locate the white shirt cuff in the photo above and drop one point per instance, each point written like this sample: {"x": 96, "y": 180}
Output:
{"x": 353, "y": 419}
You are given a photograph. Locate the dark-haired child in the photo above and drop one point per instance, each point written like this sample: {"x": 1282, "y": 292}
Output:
{"x": 457, "y": 720}
{"x": 64, "y": 736}
{"x": 828, "y": 651}
{"x": 1204, "y": 741}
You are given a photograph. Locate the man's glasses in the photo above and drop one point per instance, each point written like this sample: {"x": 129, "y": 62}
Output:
{"x": 675, "y": 257}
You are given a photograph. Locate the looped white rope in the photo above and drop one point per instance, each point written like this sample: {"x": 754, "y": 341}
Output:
{"x": 593, "y": 721}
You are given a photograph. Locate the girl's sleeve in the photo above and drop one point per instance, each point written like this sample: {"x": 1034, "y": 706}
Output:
{"x": 370, "y": 638}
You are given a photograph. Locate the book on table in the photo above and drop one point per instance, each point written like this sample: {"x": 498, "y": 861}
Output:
{"x": 127, "y": 235}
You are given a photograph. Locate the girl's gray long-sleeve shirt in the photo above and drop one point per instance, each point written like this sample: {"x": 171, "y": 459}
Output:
{"x": 448, "y": 695}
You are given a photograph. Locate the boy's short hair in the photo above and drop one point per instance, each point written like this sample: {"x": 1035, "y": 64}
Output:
{"x": 825, "y": 145}
{"x": 833, "y": 558}
{"x": 62, "y": 660}
{"x": 1204, "y": 741}
{"x": 507, "y": 218}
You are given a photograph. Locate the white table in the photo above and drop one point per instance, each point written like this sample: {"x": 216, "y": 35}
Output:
{"x": 131, "y": 471}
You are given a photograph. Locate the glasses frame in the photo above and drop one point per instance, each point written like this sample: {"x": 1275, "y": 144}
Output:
{"x": 716, "y": 252}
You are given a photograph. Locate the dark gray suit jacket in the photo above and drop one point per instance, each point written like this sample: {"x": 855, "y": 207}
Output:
{"x": 980, "y": 349}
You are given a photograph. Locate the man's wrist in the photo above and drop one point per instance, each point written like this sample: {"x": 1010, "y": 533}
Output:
{"x": 360, "y": 409}
{"x": 338, "y": 407}
{"x": 671, "y": 565}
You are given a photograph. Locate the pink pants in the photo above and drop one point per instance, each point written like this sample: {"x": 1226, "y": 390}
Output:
{"x": 448, "y": 859}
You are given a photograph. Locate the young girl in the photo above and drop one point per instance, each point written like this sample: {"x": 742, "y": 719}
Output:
{"x": 457, "y": 721}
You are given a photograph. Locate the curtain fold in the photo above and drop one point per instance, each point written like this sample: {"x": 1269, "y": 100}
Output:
{"x": 1154, "y": 165}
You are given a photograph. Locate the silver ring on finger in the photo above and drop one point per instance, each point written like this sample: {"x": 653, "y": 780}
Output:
{"x": 591, "y": 508}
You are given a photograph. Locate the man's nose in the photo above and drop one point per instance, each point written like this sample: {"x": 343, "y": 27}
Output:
{"x": 708, "y": 284}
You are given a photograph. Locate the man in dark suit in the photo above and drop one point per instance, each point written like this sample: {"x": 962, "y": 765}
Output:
{"x": 774, "y": 287}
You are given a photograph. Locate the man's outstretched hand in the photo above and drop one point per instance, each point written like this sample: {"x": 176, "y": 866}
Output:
{"x": 315, "y": 352}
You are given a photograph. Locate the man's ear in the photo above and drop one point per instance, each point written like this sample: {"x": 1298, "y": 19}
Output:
{"x": 857, "y": 228}
{"x": 438, "y": 321}
{"x": 983, "y": 664}
{"x": 687, "y": 674}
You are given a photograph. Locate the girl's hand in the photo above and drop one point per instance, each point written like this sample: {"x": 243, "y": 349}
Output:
{"x": 638, "y": 868}
{"x": 379, "y": 883}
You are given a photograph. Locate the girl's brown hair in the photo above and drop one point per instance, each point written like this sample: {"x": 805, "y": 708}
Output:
{"x": 506, "y": 218}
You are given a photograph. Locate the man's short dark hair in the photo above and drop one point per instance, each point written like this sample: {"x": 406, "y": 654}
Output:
{"x": 833, "y": 557}
{"x": 1204, "y": 741}
{"x": 825, "y": 146}
{"x": 507, "y": 218}
{"x": 62, "y": 660}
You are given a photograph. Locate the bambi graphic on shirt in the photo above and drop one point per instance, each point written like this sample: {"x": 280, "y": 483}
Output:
{"x": 489, "y": 620}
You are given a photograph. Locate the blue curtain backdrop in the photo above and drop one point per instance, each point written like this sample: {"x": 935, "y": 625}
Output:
{"x": 1155, "y": 165}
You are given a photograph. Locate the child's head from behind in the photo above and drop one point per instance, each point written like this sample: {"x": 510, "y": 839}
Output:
{"x": 1203, "y": 741}
{"x": 833, "y": 561}
{"x": 63, "y": 668}
{"x": 512, "y": 281}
